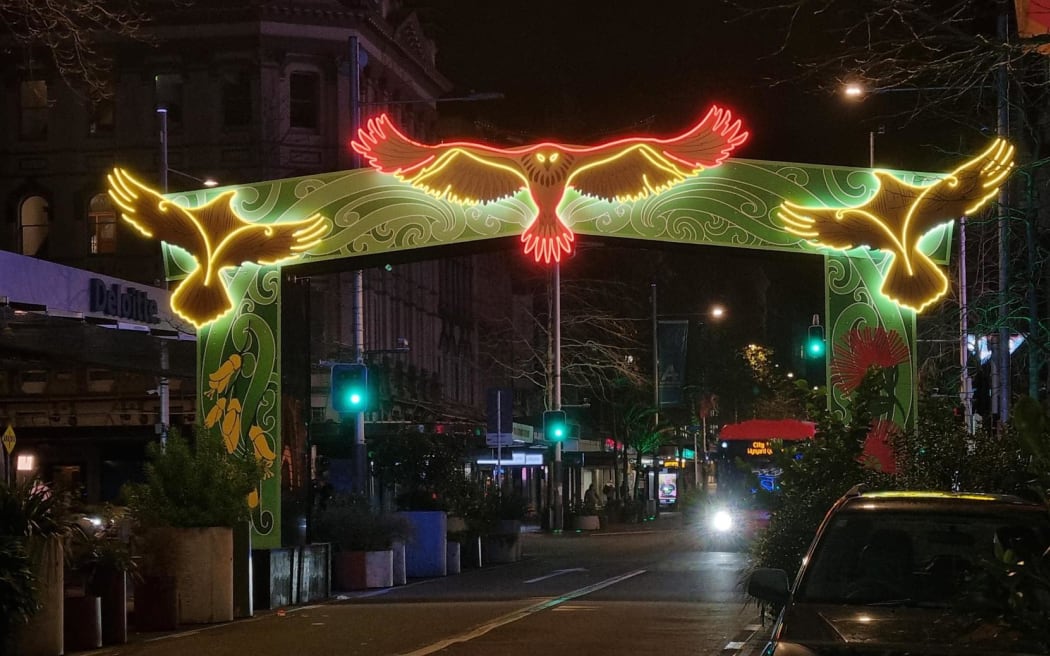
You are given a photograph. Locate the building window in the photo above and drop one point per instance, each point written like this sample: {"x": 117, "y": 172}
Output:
{"x": 34, "y": 103}
{"x": 102, "y": 225}
{"x": 33, "y": 225}
{"x": 102, "y": 112}
{"x": 304, "y": 90}
{"x": 168, "y": 90}
{"x": 236, "y": 99}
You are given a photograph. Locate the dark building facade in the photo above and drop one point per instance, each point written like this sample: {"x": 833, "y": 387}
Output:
{"x": 250, "y": 90}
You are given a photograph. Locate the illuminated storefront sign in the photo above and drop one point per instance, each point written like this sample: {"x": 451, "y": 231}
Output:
{"x": 760, "y": 448}
{"x": 124, "y": 302}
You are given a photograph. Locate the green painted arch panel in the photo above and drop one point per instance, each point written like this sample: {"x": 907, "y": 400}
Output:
{"x": 732, "y": 205}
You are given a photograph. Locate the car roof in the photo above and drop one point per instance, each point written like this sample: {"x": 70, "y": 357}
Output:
{"x": 926, "y": 501}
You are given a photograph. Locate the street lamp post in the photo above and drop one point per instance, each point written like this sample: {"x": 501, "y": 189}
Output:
{"x": 559, "y": 511}
{"x": 355, "y": 104}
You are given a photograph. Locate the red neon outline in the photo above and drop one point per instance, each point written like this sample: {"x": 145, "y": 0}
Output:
{"x": 706, "y": 145}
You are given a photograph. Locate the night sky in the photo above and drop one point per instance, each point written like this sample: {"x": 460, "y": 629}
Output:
{"x": 585, "y": 72}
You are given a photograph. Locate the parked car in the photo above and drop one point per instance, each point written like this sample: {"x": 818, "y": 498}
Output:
{"x": 911, "y": 573}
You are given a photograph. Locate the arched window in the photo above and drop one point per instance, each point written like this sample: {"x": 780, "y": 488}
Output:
{"x": 34, "y": 217}
{"x": 102, "y": 225}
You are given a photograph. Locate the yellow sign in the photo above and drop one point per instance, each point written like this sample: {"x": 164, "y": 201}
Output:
{"x": 759, "y": 448}
{"x": 9, "y": 439}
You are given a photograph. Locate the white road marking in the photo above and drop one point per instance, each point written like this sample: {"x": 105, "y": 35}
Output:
{"x": 734, "y": 646}
{"x": 557, "y": 572}
{"x": 520, "y": 614}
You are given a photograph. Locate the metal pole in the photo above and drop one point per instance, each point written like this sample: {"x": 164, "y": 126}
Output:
{"x": 163, "y": 392}
{"x": 1002, "y": 356}
{"x": 871, "y": 149}
{"x": 696, "y": 463}
{"x": 559, "y": 511}
{"x": 966, "y": 391}
{"x": 499, "y": 442}
{"x": 656, "y": 360}
{"x": 360, "y": 450}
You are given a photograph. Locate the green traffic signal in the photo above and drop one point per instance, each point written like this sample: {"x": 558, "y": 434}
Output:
{"x": 555, "y": 427}
{"x": 815, "y": 346}
{"x": 349, "y": 387}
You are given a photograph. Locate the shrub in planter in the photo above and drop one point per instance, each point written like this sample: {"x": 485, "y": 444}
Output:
{"x": 365, "y": 541}
{"x": 33, "y": 522}
{"x": 348, "y": 522}
{"x": 103, "y": 563}
{"x": 184, "y": 513}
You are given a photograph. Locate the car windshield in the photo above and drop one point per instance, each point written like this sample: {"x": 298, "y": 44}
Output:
{"x": 913, "y": 558}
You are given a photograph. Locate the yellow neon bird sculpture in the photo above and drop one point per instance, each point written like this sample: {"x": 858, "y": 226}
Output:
{"x": 898, "y": 215}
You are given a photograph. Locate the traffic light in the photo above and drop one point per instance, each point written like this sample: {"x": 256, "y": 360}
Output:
{"x": 350, "y": 387}
{"x": 815, "y": 346}
{"x": 555, "y": 428}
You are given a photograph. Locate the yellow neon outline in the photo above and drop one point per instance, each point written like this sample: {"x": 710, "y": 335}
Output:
{"x": 444, "y": 160}
{"x": 653, "y": 158}
{"x": 122, "y": 192}
{"x": 999, "y": 156}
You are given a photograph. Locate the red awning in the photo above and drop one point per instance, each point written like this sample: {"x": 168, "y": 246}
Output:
{"x": 768, "y": 429}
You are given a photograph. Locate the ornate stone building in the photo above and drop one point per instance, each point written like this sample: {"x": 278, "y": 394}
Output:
{"x": 251, "y": 90}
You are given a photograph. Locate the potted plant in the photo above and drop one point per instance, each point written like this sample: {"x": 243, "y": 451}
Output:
{"x": 33, "y": 525}
{"x": 365, "y": 541}
{"x": 421, "y": 467}
{"x": 185, "y": 513}
{"x": 103, "y": 563}
{"x": 500, "y": 525}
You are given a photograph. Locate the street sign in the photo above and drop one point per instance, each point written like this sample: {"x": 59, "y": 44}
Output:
{"x": 9, "y": 439}
{"x": 499, "y": 439}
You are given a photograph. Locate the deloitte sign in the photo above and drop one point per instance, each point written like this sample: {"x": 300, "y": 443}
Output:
{"x": 115, "y": 300}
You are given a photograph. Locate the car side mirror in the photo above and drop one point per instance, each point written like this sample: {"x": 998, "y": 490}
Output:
{"x": 769, "y": 585}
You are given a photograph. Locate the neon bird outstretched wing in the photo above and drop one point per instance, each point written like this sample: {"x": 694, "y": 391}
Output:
{"x": 629, "y": 169}
{"x": 463, "y": 173}
{"x": 623, "y": 169}
{"x": 897, "y": 216}
{"x": 215, "y": 236}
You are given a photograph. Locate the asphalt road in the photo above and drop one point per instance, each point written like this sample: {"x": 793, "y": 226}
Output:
{"x": 644, "y": 589}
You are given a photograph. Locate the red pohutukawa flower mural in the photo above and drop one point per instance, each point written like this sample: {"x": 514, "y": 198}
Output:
{"x": 878, "y": 446}
{"x": 861, "y": 349}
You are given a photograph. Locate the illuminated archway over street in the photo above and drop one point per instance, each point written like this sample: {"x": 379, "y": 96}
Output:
{"x": 884, "y": 236}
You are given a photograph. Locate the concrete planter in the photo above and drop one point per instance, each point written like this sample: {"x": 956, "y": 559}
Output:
{"x": 426, "y": 550}
{"x": 400, "y": 574}
{"x": 452, "y": 551}
{"x": 43, "y": 634}
{"x": 203, "y": 574}
{"x": 361, "y": 570}
{"x": 503, "y": 543}
{"x": 586, "y": 523}
{"x": 83, "y": 623}
{"x": 470, "y": 553}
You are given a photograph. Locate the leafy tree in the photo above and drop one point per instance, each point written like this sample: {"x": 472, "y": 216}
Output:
{"x": 815, "y": 474}
{"x": 424, "y": 468}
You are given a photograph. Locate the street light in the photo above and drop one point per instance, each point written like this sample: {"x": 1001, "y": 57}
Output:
{"x": 472, "y": 97}
{"x": 205, "y": 182}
